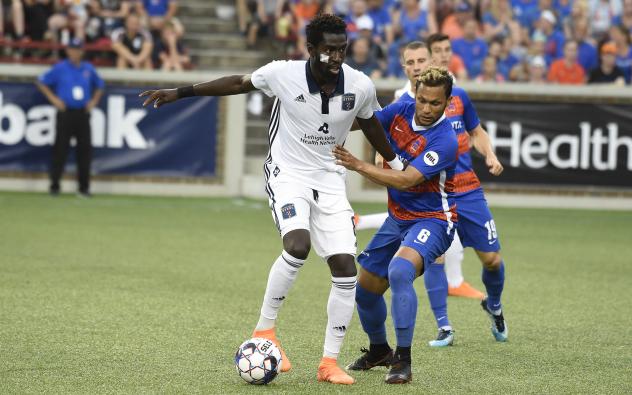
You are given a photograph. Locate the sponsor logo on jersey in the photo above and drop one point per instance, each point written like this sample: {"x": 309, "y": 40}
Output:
{"x": 348, "y": 101}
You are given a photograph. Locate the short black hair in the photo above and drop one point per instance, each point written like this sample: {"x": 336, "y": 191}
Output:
{"x": 436, "y": 76}
{"x": 324, "y": 23}
{"x": 435, "y": 38}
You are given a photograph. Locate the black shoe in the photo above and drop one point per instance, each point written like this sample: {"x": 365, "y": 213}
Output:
{"x": 444, "y": 338}
{"x": 86, "y": 194}
{"x": 370, "y": 360}
{"x": 400, "y": 373}
{"x": 53, "y": 191}
{"x": 499, "y": 326}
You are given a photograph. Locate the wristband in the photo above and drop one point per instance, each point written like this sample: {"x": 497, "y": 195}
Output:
{"x": 396, "y": 164}
{"x": 185, "y": 91}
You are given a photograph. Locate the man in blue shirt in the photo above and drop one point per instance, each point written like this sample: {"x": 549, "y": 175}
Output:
{"x": 471, "y": 49}
{"x": 74, "y": 88}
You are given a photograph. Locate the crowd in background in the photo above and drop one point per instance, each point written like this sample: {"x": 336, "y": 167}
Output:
{"x": 538, "y": 41}
{"x": 142, "y": 34}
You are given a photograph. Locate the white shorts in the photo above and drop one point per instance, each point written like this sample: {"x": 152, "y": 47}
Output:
{"x": 328, "y": 217}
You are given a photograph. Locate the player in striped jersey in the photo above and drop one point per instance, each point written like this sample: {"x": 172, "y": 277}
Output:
{"x": 421, "y": 221}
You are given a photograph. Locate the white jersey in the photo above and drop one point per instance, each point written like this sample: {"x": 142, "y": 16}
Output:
{"x": 305, "y": 124}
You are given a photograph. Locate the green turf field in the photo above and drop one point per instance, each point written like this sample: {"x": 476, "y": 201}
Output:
{"x": 153, "y": 295}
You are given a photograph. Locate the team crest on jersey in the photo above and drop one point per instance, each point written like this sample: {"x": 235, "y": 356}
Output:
{"x": 414, "y": 146}
{"x": 276, "y": 171}
{"x": 288, "y": 211}
{"x": 348, "y": 101}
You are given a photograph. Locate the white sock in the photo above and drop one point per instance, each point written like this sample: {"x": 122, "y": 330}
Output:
{"x": 339, "y": 312}
{"x": 453, "y": 262}
{"x": 281, "y": 278}
{"x": 371, "y": 221}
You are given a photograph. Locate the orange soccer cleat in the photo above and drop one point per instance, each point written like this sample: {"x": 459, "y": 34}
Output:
{"x": 271, "y": 335}
{"x": 465, "y": 290}
{"x": 329, "y": 371}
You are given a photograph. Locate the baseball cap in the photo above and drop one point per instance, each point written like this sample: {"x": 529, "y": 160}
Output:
{"x": 75, "y": 43}
{"x": 364, "y": 23}
{"x": 609, "y": 47}
{"x": 538, "y": 61}
{"x": 549, "y": 16}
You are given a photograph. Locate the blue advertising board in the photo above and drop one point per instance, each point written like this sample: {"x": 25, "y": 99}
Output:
{"x": 176, "y": 140}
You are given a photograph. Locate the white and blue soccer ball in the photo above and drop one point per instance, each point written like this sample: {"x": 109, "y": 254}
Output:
{"x": 258, "y": 361}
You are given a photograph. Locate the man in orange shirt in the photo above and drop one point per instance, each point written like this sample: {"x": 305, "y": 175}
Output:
{"x": 567, "y": 70}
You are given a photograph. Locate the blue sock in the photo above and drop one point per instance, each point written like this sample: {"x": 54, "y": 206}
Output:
{"x": 494, "y": 282}
{"x": 437, "y": 288}
{"x": 372, "y": 313}
{"x": 401, "y": 274}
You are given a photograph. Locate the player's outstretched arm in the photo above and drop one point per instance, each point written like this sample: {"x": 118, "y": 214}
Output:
{"x": 386, "y": 177}
{"x": 225, "y": 86}
{"x": 482, "y": 144}
{"x": 373, "y": 131}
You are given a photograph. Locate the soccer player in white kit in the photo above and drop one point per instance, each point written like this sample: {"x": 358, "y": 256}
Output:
{"x": 316, "y": 103}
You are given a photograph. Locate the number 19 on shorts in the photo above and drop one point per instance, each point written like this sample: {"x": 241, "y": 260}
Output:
{"x": 491, "y": 230}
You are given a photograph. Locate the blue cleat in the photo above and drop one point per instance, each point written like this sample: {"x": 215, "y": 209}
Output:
{"x": 445, "y": 338}
{"x": 499, "y": 326}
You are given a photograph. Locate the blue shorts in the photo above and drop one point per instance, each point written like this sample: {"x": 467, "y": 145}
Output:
{"x": 476, "y": 224}
{"x": 429, "y": 237}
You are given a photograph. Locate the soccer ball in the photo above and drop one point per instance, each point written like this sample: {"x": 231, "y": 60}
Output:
{"x": 258, "y": 361}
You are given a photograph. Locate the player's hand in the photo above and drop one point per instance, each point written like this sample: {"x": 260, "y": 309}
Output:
{"x": 160, "y": 97}
{"x": 494, "y": 165}
{"x": 346, "y": 158}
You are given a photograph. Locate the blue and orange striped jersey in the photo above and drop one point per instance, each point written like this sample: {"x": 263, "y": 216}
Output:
{"x": 433, "y": 151}
{"x": 462, "y": 115}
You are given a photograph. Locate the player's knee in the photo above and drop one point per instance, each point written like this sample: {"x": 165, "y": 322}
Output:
{"x": 298, "y": 247}
{"x": 492, "y": 261}
{"x": 342, "y": 265}
{"x": 400, "y": 273}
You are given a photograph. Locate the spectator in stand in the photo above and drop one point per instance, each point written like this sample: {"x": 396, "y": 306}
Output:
{"x": 382, "y": 25}
{"x": 537, "y": 47}
{"x": 133, "y": 45}
{"x": 37, "y": 12}
{"x": 537, "y": 71}
{"x": 366, "y": 29}
{"x": 157, "y": 13}
{"x": 625, "y": 18}
{"x": 621, "y": 38}
{"x": 256, "y": 18}
{"x": 304, "y": 11}
{"x": 15, "y": 10}
{"x": 526, "y": 12}
{"x": 69, "y": 16}
{"x": 602, "y": 13}
{"x": 359, "y": 9}
{"x": 607, "y": 72}
{"x": 554, "y": 47}
{"x": 109, "y": 15}
{"x": 414, "y": 22}
{"x": 498, "y": 21}
{"x": 453, "y": 23}
{"x": 587, "y": 53}
{"x": 567, "y": 70}
{"x": 74, "y": 88}
{"x": 341, "y": 8}
{"x": 440, "y": 49}
{"x": 563, "y": 8}
{"x": 506, "y": 60}
{"x": 471, "y": 49}
{"x": 171, "y": 54}
{"x": 362, "y": 60}
{"x": 490, "y": 72}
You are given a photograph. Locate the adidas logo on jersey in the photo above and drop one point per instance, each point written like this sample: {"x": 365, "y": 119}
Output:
{"x": 300, "y": 99}
{"x": 342, "y": 328}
